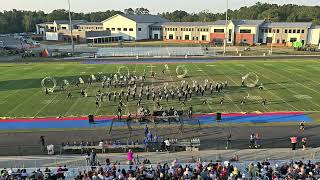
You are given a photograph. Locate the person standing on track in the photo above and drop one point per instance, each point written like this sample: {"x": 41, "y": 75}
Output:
{"x": 304, "y": 143}
{"x": 293, "y": 140}
{"x": 228, "y": 142}
{"x": 302, "y": 126}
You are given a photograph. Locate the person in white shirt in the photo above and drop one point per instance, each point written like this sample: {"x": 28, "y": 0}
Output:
{"x": 167, "y": 143}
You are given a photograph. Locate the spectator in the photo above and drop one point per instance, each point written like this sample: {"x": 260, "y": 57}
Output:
{"x": 293, "y": 140}
{"x": 130, "y": 157}
{"x": 167, "y": 144}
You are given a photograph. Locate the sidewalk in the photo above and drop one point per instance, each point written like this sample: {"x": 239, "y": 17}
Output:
{"x": 163, "y": 157}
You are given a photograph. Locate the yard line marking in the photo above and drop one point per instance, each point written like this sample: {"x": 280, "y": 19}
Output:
{"x": 225, "y": 110}
{"x": 18, "y": 90}
{"x": 275, "y": 95}
{"x": 30, "y": 97}
{"x": 227, "y": 96}
{"x": 294, "y": 81}
{"x": 283, "y": 85}
{"x": 305, "y": 86}
{"x": 304, "y": 72}
{"x": 238, "y": 84}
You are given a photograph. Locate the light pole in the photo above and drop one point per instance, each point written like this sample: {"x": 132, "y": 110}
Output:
{"x": 225, "y": 32}
{"x": 71, "y": 28}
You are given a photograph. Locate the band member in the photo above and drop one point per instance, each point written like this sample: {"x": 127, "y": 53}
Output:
{"x": 221, "y": 101}
{"x": 47, "y": 91}
{"x": 204, "y": 101}
{"x": 264, "y": 102}
{"x": 69, "y": 95}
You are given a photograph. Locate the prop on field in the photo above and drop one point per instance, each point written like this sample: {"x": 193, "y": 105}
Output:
{"x": 93, "y": 77}
{"x": 251, "y": 79}
{"x": 167, "y": 67}
{"x": 66, "y": 82}
{"x": 45, "y": 83}
{"x": 123, "y": 71}
{"x": 181, "y": 71}
{"x": 81, "y": 80}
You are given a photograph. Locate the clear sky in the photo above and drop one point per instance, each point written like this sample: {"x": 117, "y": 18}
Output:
{"x": 154, "y": 6}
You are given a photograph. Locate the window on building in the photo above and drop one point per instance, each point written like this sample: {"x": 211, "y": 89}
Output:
{"x": 197, "y": 38}
{"x": 218, "y": 30}
{"x": 283, "y": 41}
{"x": 278, "y": 41}
{"x": 278, "y": 30}
{"x": 245, "y": 30}
{"x": 273, "y": 30}
{"x": 230, "y": 35}
{"x": 139, "y": 29}
{"x": 107, "y": 28}
{"x": 302, "y": 31}
{"x": 269, "y": 30}
{"x": 130, "y": 29}
{"x": 64, "y": 27}
{"x": 286, "y": 31}
{"x": 119, "y": 29}
{"x": 266, "y": 31}
{"x": 302, "y": 41}
{"x": 298, "y": 31}
{"x": 290, "y": 31}
{"x": 203, "y": 37}
{"x": 262, "y": 30}
{"x": 192, "y": 38}
{"x": 113, "y": 29}
{"x": 170, "y": 36}
{"x": 181, "y": 29}
{"x": 294, "y": 31}
{"x": 293, "y": 39}
{"x": 186, "y": 37}
{"x": 177, "y": 37}
{"x": 125, "y": 29}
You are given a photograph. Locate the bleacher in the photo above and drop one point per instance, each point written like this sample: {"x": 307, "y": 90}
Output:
{"x": 265, "y": 170}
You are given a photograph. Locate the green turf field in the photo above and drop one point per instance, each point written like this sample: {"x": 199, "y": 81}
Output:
{"x": 289, "y": 86}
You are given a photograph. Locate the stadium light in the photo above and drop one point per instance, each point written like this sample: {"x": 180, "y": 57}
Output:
{"x": 225, "y": 33}
{"x": 71, "y": 27}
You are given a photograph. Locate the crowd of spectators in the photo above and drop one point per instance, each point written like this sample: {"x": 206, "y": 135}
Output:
{"x": 176, "y": 170}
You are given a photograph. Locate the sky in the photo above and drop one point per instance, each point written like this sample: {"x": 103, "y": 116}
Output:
{"x": 155, "y": 6}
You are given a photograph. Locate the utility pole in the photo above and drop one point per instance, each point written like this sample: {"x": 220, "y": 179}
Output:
{"x": 225, "y": 32}
{"x": 71, "y": 28}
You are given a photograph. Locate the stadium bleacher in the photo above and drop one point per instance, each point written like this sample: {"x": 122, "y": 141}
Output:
{"x": 194, "y": 170}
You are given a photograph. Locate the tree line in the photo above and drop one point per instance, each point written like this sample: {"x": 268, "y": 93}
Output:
{"x": 16, "y": 21}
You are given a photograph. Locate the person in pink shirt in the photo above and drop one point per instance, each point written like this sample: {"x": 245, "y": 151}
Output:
{"x": 293, "y": 140}
{"x": 130, "y": 157}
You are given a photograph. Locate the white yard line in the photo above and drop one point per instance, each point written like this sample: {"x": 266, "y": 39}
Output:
{"x": 302, "y": 85}
{"x": 294, "y": 92}
{"x": 208, "y": 104}
{"x": 295, "y": 82}
{"x": 238, "y": 83}
{"x": 275, "y": 95}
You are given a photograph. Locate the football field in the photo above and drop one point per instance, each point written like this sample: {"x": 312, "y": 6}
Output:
{"x": 288, "y": 85}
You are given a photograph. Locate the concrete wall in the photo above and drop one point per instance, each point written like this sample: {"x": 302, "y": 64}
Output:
{"x": 52, "y": 36}
{"x": 282, "y": 36}
{"x": 124, "y": 24}
{"x": 187, "y": 33}
{"x": 253, "y": 36}
{"x": 314, "y": 36}
{"x": 220, "y": 36}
